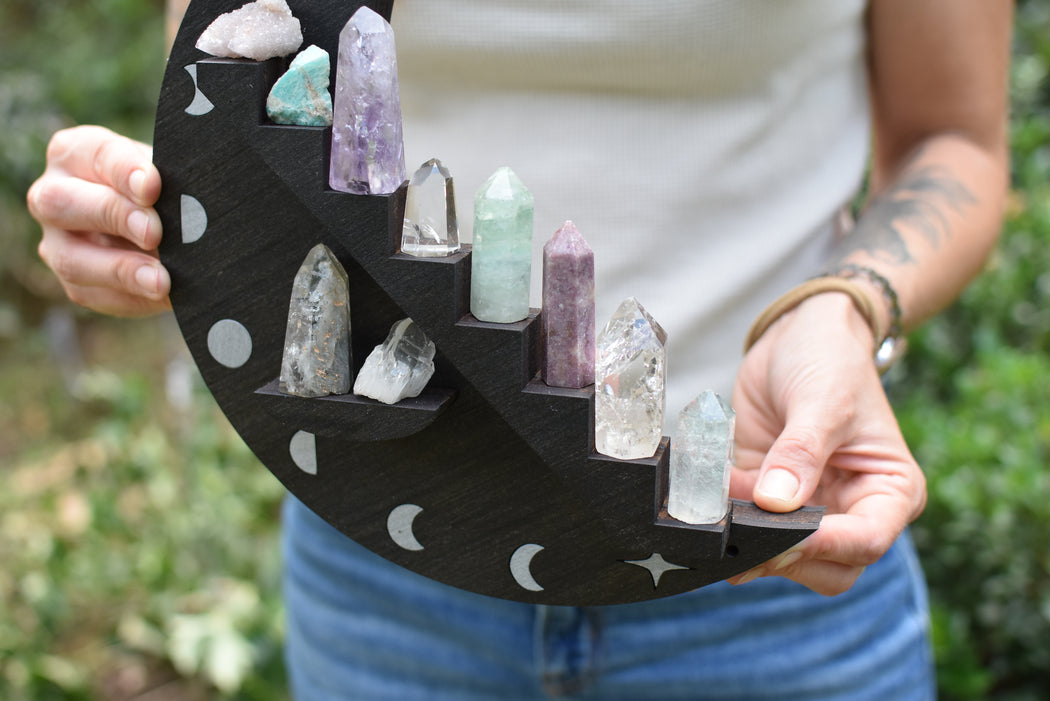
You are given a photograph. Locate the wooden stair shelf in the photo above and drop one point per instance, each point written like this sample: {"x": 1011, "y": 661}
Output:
{"x": 490, "y": 460}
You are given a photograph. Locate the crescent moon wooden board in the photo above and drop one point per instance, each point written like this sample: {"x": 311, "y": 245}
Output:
{"x": 488, "y": 480}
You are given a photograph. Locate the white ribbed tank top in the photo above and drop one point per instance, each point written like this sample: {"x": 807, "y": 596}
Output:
{"x": 704, "y": 148}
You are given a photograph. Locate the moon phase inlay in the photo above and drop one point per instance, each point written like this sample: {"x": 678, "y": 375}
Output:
{"x": 521, "y": 564}
{"x": 303, "y": 449}
{"x": 201, "y": 105}
{"x": 399, "y": 525}
{"x": 230, "y": 343}
{"x": 194, "y": 218}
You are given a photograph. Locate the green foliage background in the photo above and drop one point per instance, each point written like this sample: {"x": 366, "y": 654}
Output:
{"x": 138, "y": 534}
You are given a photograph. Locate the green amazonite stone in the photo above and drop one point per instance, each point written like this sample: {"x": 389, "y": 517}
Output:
{"x": 501, "y": 260}
{"x": 301, "y": 95}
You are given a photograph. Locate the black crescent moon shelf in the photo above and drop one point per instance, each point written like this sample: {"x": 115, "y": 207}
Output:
{"x": 488, "y": 481}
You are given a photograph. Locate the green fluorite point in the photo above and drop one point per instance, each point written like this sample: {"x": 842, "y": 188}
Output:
{"x": 501, "y": 260}
{"x": 301, "y": 95}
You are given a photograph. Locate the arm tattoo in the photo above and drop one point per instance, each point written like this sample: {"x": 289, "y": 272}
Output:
{"x": 919, "y": 201}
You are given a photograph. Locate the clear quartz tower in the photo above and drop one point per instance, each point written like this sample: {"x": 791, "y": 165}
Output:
{"x": 431, "y": 228}
{"x": 568, "y": 309}
{"x": 316, "y": 357}
{"x": 701, "y": 460}
{"x": 501, "y": 257}
{"x": 368, "y": 151}
{"x": 630, "y": 375}
{"x": 399, "y": 367}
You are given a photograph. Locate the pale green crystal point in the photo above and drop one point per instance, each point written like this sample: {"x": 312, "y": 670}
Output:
{"x": 300, "y": 96}
{"x": 630, "y": 375}
{"x": 701, "y": 461}
{"x": 431, "y": 228}
{"x": 501, "y": 259}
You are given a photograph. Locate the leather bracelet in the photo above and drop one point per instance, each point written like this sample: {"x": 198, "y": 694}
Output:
{"x": 811, "y": 288}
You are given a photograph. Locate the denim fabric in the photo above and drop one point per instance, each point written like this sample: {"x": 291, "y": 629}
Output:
{"x": 362, "y": 628}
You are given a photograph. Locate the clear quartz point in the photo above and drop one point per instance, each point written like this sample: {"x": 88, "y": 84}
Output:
{"x": 430, "y": 229}
{"x": 701, "y": 460}
{"x": 399, "y": 367}
{"x": 316, "y": 357}
{"x": 629, "y": 384}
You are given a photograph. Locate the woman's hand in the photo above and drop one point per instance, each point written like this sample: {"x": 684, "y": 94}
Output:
{"x": 95, "y": 204}
{"x": 814, "y": 426}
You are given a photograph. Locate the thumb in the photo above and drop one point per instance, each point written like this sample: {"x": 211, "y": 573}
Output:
{"x": 792, "y": 468}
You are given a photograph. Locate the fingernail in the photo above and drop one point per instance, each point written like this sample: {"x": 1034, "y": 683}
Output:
{"x": 148, "y": 279}
{"x": 137, "y": 183}
{"x": 138, "y": 225}
{"x": 779, "y": 484}
{"x": 748, "y": 576}
{"x": 787, "y": 559}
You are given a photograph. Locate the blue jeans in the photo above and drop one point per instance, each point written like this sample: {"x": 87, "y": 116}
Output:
{"x": 360, "y": 627}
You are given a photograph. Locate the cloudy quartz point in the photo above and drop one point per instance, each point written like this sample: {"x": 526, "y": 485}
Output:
{"x": 316, "y": 358}
{"x": 568, "y": 309}
{"x": 630, "y": 375}
{"x": 501, "y": 254}
{"x": 399, "y": 367}
{"x": 368, "y": 152}
{"x": 431, "y": 228}
{"x": 701, "y": 460}
{"x": 258, "y": 30}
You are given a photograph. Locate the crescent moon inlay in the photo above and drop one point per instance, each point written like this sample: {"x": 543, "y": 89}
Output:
{"x": 520, "y": 564}
{"x": 303, "y": 449}
{"x": 399, "y": 525}
{"x": 201, "y": 105}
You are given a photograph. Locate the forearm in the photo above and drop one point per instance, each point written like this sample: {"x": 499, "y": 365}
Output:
{"x": 929, "y": 227}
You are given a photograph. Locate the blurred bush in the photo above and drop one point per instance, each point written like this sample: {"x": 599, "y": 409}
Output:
{"x": 973, "y": 399}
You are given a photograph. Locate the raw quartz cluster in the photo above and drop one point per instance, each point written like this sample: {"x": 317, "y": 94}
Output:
{"x": 501, "y": 258}
{"x": 300, "y": 96}
{"x": 701, "y": 461}
{"x": 368, "y": 152}
{"x": 259, "y": 30}
{"x": 568, "y": 309}
{"x": 398, "y": 368}
{"x": 316, "y": 359}
{"x": 431, "y": 228}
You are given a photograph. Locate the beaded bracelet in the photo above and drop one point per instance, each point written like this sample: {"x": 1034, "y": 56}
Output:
{"x": 889, "y": 348}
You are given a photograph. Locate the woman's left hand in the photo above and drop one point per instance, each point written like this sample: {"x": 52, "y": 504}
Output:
{"x": 813, "y": 426}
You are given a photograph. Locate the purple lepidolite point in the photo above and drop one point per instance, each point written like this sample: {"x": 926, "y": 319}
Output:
{"x": 368, "y": 152}
{"x": 568, "y": 309}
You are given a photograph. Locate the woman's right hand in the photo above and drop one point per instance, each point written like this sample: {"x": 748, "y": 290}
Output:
{"x": 95, "y": 204}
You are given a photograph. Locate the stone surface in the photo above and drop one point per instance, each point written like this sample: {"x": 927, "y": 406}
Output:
{"x": 368, "y": 151}
{"x": 501, "y": 256}
{"x": 399, "y": 367}
{"x": 258, "y": 30}
{"x": 300, "y": 96}
{"x": 568, "y": 309}
{"x": 317, "y": 339}
{"x": 701, "y": 460}
{"x": 630, "y": 375}
{"x": 431, "y": 228}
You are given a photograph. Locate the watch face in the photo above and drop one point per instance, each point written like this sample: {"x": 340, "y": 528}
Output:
{"x": 487, "y": 480}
